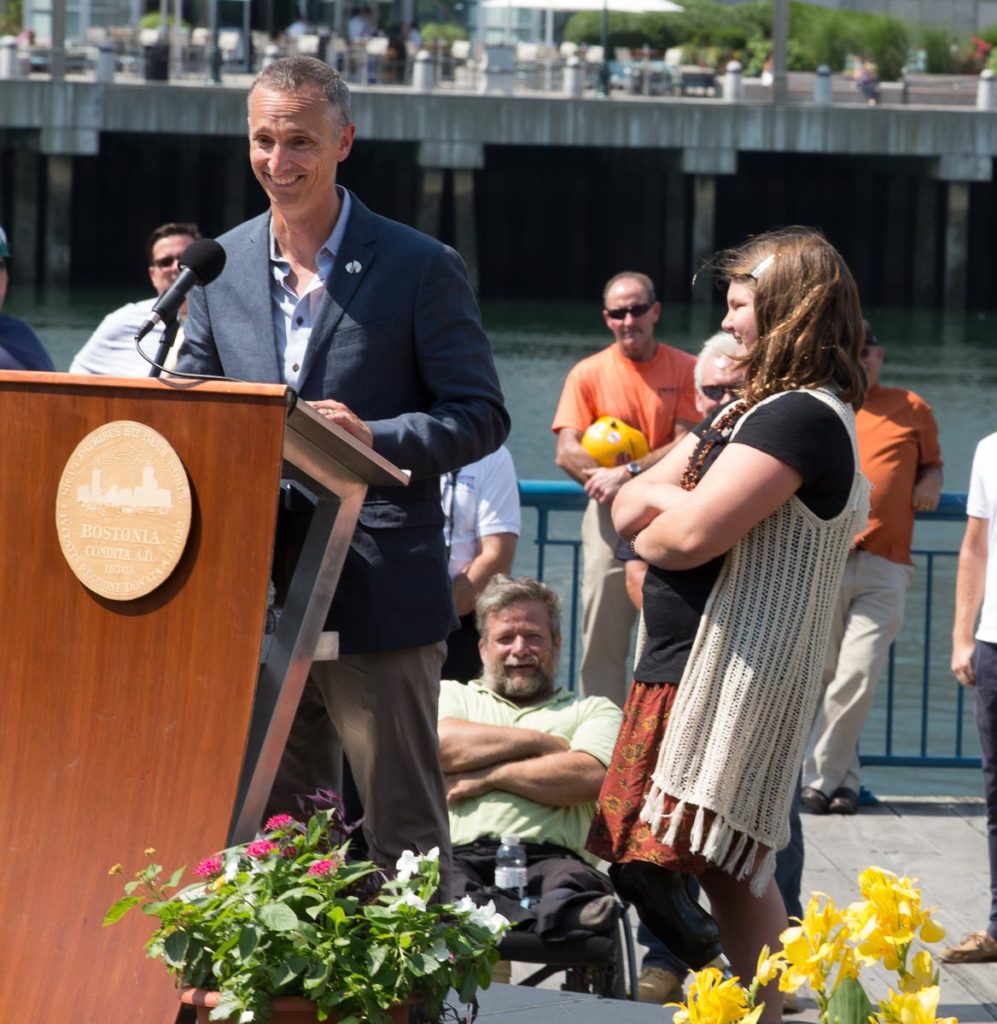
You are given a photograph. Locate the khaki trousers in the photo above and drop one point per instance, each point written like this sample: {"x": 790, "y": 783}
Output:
{"x": 867, "y": 619}
{"x": 380, "y": 710}
{"x": 607, "y": 615}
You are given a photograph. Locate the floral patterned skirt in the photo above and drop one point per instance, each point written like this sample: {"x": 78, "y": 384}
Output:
{"x": 617, "y": 833}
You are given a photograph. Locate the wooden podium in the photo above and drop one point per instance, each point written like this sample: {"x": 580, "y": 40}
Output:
{"x": 130, "y": 724}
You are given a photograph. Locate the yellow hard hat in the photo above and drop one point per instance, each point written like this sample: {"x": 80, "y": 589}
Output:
{"x": 611, "y": 442}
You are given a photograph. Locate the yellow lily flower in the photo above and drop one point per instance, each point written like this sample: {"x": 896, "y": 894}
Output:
{"x": 885, "y": 922}
{"x": 913, "y": 1007}
{"x": 770, "y": 966}
{"x": 921, "y": 975}
{"x": 714, "y": 1000}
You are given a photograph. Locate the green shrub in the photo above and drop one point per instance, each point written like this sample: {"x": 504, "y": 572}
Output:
{"x": 704, "y": 27}
{"x": 886, "y": 44}
{"x": 152, "y": 20}
{"x": 826, "y": 39}
{"x": 939, "y": 45}
{"x": 442, "y": 32}
{"x": 988, "y": 34}
{"x": 11, "y": 18}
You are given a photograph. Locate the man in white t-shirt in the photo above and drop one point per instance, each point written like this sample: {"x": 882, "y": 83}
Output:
{"x": 111, "y": 349}
{"x": 482, "y": 522}
{"x": 974, "y": 662}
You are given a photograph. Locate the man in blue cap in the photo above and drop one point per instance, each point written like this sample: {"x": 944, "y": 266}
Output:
{"x": 20, "y": 348}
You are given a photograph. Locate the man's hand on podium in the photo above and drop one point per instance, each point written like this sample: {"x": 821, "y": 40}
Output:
{"x": 344, "y": 417}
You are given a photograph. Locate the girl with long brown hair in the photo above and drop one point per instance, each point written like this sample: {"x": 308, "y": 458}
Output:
{"x": 746, "y": 525}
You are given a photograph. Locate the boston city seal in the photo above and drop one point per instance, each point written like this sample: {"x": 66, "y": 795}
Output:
{"x": 123, "y": 510}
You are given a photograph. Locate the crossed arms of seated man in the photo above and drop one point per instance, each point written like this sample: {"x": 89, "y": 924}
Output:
{"x": 479, "y": 758}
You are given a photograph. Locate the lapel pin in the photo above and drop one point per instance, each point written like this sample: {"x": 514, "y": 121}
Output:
{"x": 353, "y": 267}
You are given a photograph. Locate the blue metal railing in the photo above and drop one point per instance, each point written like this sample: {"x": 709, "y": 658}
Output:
{"x": 915, "y": 706}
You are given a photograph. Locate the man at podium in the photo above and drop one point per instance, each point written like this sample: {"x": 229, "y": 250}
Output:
{"x": 376, "y": 325}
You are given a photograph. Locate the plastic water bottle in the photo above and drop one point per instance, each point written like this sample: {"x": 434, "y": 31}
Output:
{"x": 510, "y": 866}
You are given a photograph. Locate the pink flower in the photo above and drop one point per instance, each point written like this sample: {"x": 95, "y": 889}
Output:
{"x": 209, "y": 867}
{"x": 323, "y": 867}
{"x": 261, "y": 848}
{"x": 277, "y": 822}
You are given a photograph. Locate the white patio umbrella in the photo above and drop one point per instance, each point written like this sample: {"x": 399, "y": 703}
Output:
{"x": 629, "y": 6}
{"x": 550, "y": 6}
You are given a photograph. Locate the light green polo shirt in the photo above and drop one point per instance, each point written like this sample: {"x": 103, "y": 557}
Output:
{"x": 589, "y": 724}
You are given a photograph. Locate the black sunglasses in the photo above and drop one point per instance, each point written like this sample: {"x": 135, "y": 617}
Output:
{"x": 715, "y": 392}
{"x": 634, "y": 311}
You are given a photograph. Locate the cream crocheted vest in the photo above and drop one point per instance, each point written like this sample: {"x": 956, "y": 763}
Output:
{"x": 746, "y": 701}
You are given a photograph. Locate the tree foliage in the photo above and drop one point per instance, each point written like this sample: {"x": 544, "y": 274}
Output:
{"x": 446, "y": 33}
{"x": 11, "y": 17}
{"x": 711, "y": 32}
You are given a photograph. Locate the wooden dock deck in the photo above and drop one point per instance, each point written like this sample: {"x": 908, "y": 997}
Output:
{"x": 939, "y": 840}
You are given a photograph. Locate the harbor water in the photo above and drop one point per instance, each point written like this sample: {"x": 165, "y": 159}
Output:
{"x": 949, "y": 359}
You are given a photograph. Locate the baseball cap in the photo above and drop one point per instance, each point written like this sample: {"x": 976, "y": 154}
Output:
{"x": 4, "y": 247}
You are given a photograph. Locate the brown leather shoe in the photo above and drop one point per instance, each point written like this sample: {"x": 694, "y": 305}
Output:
{"x": 659, "y": 985}
{"x": 975, "y": 948}
{"x": 843, "y": 801}
{"x": 814, "y": 800}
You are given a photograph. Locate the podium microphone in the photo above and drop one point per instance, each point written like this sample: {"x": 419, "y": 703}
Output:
{"x": 202, "y": 261}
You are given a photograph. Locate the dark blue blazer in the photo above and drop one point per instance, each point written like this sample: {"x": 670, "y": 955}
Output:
{"x": 400, "y": 342}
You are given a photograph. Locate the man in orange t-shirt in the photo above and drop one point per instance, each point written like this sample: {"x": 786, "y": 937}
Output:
{"x": 647, "y": 385}
{"x": 899, "y": 453}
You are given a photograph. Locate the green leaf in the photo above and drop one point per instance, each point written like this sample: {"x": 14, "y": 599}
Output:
{"x": 119, "y": 909}
{"x": 228, "y": 1006}
{"x": 849, "y": 1004}
{"x": 376, "y": 958}
{"x": 176, "y": 876}
{"x": 175, "y": 948}
{"x": 279, "y": 917}
{"x": 249, "y": 939}
{"x": 284, "y": 973}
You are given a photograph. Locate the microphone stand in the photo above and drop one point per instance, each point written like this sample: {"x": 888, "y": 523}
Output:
{"x": 169, "y": 336}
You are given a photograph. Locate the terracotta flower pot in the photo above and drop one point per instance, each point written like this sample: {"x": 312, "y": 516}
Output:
{"x": 286, "y": 1009}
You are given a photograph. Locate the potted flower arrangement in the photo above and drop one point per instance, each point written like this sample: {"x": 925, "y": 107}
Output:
{"x": 290, "y": 914}
{"x": 827, "y": 949}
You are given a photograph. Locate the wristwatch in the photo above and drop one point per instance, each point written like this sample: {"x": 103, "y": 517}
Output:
{"x": 633, "y": 468}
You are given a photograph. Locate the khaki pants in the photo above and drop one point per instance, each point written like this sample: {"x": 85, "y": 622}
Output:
{"x": 382, "y": 710}
{"x": 867, "y": 619}
{"x": 607, "y": 615}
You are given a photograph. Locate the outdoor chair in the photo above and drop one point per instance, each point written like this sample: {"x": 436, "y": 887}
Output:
{"x": 603, "y": 964}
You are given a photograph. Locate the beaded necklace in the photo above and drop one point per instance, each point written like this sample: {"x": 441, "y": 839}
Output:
{"x": 716, "y": 432}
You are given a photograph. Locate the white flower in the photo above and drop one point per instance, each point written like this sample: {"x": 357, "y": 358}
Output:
{"x": 434, "y": 854}
{"x": 464, "y": 906}
{"x": 246, "y": 1016}
{"x": 488, "y": 917}
{"x": 231, "y": 866}
{"x": 407, "y": 865}
{"x": 440, "y": 951}
{"x": 408, "y": 900}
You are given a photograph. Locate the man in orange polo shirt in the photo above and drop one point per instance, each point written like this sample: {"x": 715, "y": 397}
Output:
{"x": 647, "y": 385}
{"x": 899, "y": 453}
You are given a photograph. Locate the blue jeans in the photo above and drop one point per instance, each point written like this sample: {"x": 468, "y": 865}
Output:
{"x": 788, "y": 878}
{"x": 985, "y": 666}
